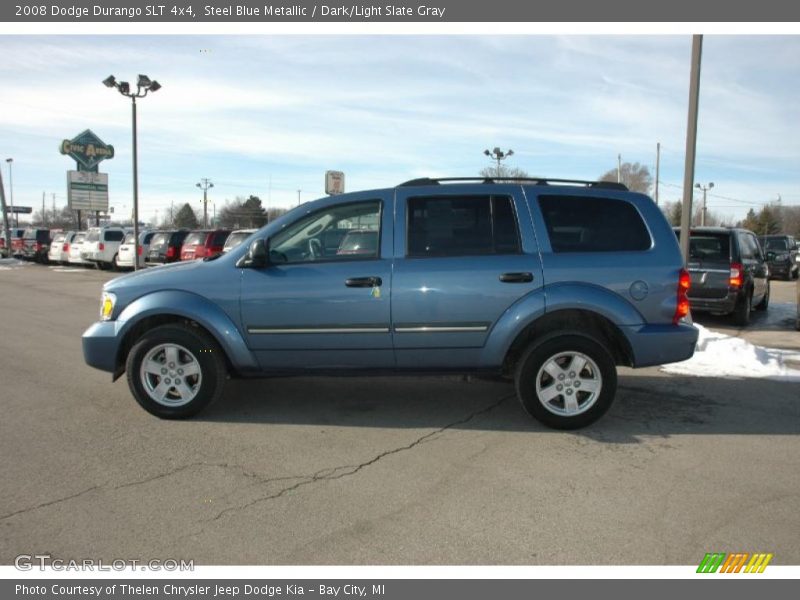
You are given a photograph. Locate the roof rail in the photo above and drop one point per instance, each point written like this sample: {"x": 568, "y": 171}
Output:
{"x": 608, "y": 185}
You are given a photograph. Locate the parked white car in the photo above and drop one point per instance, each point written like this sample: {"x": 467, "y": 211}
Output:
{"x": 235, "y": 238}
{"x": 102, "y": 246}
{"x": 75, "y": 247}
{"x": 59, "y": 247}
{"x": 125, "y": 253}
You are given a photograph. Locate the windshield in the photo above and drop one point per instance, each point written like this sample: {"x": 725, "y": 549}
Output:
{"x": 235, "y": 239}
{"x": 93, "y": 236}
{"x": 128, "y": 238}
{"x": 198, "y": 237}
{"x": 79, "y": 239}
{"x": 160, "y": 239}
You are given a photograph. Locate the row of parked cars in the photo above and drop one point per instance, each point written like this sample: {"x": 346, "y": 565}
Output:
{"x": 113, "y": 247}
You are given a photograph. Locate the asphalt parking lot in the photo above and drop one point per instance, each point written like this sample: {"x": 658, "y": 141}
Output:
{"x": 383, "y": 470}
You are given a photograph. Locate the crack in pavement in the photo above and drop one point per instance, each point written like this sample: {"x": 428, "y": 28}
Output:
{"x": 332, "y": 473}
{"x": 329, "y": 473}
{"x": 50, "y": 503}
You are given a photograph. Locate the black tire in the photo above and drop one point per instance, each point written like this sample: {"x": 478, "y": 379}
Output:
{"x": 741, "y": 312}
{"x": 194, "y": 343}
{"x": 557, "y": 349}
{"x": 114, "y": 265}
{"x": 764, "y": 304}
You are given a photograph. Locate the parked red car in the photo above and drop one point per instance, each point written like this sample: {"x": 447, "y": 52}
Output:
{"x": 200, "y": 244}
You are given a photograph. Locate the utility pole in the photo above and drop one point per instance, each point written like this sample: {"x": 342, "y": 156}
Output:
{"x": 691, "y": 143}
{"x": 44, "y": 216}
{"x": 298, "y": 197}
{"x": 205, "y": 184}
{"x": 6, "y": 230}
{"x": 14, "y": 215}
{"x": 658, "y": 165}
{"x": 619, "y": 168}
{"x": 705, "y": 189}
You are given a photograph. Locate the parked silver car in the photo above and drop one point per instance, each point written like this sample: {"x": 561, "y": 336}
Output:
{"x": 237, "y": 237}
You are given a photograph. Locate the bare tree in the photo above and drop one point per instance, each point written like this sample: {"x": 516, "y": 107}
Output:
{"x": 502, "y": 173}
{"x": 634, "y": 175}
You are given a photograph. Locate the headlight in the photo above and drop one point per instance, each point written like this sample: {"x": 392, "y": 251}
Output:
{"x": 107, "y": 302}
{"x": 782, "y": 257}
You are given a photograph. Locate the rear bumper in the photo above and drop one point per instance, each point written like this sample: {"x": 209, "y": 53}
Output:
{"x": 100, "y": 345}
{"x": 719, "y": 305}
{"x": 661, "y": 344}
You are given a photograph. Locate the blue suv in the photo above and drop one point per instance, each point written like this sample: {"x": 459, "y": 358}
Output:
{"x": 551, "y": 282}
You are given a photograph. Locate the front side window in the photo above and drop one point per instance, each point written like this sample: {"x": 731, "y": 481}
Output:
{"x": 461, "y": 226}
{"x": 342, "y": 232}
{"x": 592, "y": 224}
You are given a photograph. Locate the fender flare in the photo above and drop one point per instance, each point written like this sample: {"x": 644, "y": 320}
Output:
{"x": 548, "y": 300}
{"x": 195, "y": 308}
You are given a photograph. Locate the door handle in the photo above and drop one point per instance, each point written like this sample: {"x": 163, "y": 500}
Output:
{"x": 361, "y": 282}
{"x": 516, "y": 277}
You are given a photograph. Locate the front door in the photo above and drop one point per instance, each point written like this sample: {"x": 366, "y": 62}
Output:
{"x": 324, "y": 300}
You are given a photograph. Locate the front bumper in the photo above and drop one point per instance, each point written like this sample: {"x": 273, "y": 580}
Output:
{"x": 100, "y": 345}
{"x": 661, "y": 344}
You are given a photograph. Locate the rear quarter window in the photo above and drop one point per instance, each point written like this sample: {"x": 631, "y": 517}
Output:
{"x": 593, "y": 224}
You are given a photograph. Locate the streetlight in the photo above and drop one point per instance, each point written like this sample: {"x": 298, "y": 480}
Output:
{"x": 204, "y": 184}
{"x": 143, "y": 85}
{"x": 705, "y": 189}
{"x": 498, "y": 155}
{"x": 10, "y": 162}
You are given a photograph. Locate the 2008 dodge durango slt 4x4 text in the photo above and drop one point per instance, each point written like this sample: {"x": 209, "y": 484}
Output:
{"x": 553, "y": 282}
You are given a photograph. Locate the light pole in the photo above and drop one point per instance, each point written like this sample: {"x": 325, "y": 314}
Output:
{"x": 143, "y": 85}
{"x": 10, "y": 162}
{"x": 204, "y": 185}
{"x": 498, "y": 155}
{"x": 705, "y": 189}
{"x": 298, "y": 197}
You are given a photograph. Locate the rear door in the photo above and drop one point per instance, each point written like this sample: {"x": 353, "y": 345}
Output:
{"x": 709, "y": 264}
{"x": 463, "y": 256}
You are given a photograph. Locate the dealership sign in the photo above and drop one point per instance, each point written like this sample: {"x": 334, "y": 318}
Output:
{"x": 87, "y": 191}
{"x": 334, "y": 182}
{"x": 87, "y": 150}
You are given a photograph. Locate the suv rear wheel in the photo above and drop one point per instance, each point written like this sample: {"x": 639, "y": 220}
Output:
{"x": 566, "y": 381}
{"x": 175, "y": 371}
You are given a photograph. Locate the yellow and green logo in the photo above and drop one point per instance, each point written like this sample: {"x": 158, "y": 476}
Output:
{"x": 736, "y": 562}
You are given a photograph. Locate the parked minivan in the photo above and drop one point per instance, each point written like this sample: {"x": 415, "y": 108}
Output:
{"x": 552, "y": 283}
{"x": 36, "y": 244}
{"x": 126, "y": 250}
{"x": 202, "y": 244}
{"x": 729, "y": 272}
{"x": 165, "y": 247}
{"x": 59, "y": 248}
{"x": 101, "y": 246}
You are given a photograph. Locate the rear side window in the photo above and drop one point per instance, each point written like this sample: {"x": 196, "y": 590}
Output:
{"x": 147, "y": 238}
{"x": 591, "y": 224}
{"x": 114, "y": 236}
{"x": 461, "y": 226}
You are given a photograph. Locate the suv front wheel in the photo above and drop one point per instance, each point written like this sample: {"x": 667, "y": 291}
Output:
{"x": 175, "y": 371}
{"x": 566, "y": 381}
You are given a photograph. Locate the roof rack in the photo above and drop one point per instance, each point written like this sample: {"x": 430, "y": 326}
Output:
{"x": 608, "y": 185}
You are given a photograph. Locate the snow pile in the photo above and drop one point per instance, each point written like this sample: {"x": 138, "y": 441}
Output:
{"x": 720, "y": 355}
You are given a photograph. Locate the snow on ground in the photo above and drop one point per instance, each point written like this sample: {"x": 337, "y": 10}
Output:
{"x": 6, "y": 264}
{"x": 720, "y": 355}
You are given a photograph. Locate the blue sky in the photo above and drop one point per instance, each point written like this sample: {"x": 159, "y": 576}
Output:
{"x": 268, "y": 114}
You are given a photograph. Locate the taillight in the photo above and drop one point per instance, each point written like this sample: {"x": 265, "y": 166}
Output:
{"x": 139, "y": 250}
{"x": 65, "y": 248}
{"x": 37, "y": 246}
{"x": 101, "y": 246}
{"x": 735, "y": 279}
{"x": 171, "y": 252}
{"x": 682, "y": 307}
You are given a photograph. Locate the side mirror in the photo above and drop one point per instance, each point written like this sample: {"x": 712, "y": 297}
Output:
{"x": 257, "y": 256}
